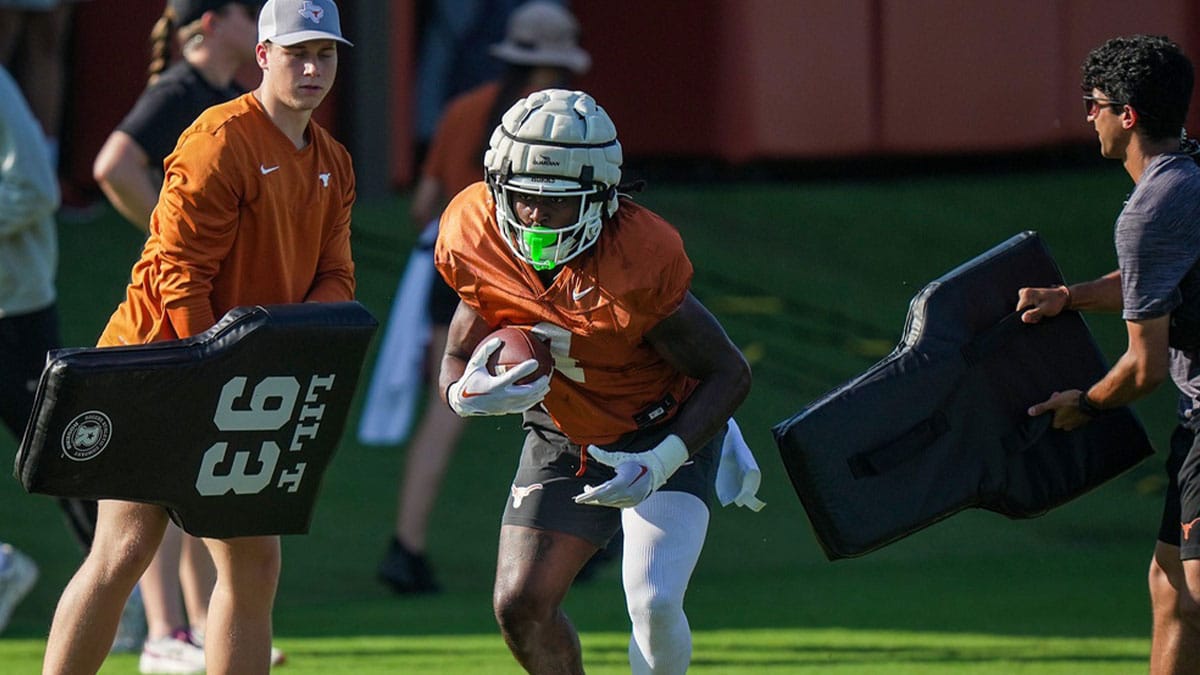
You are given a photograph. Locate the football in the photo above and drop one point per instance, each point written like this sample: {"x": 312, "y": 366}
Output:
{"x": 519, "y": 346}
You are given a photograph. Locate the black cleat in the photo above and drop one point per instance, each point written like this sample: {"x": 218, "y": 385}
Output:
{"x": 406, "y": 572}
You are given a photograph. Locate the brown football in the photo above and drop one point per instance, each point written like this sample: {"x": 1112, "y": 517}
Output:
{"x": 519, "y": 346}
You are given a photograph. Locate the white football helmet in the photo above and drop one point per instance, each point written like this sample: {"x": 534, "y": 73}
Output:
{"x": 558, "y": 143}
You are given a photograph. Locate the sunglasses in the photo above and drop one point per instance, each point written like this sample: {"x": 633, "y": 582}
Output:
{"x": 1091, "y": 104}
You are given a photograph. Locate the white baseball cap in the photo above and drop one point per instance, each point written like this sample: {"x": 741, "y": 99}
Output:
{"x": 290, "y": 22}
{"x": 543, "y": 33}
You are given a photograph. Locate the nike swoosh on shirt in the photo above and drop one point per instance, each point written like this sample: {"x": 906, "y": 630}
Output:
{"x": 266, "y": 170}
{"x": 579, "y": 294}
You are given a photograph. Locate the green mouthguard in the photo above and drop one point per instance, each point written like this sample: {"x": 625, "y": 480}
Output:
{"x": 537, "y": 239}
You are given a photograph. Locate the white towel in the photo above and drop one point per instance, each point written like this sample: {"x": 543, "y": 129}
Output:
{"x": 738, "y": 475}
{"x": 399, "y": 375}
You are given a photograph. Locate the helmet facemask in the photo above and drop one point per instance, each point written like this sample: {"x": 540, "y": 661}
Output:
{"x": 554, "y": 143}
{"x": 542, "y": 247}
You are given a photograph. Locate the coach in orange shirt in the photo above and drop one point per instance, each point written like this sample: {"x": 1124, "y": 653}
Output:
{"x": 255, "y": 209}
{"x": 626, "y": 431}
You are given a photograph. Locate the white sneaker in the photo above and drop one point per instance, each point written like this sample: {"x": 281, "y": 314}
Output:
{"x": 173, "y": 654}
{"x": 16, "y": 578}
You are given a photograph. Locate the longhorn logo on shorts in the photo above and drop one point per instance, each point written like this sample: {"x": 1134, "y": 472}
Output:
{"x": 86, "y": 436}
{"x": 1187, "y": 528}
{"x": 520, "y": 493}
{"x": 311, "y": 11}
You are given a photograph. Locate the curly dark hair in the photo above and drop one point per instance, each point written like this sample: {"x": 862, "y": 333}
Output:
{"x": 1149, "y": 73}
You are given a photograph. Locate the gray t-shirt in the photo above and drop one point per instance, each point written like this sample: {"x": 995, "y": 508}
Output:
{"x": 1158, "y": 247}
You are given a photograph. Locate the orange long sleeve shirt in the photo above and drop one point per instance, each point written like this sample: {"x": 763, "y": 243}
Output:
{"x": 244, "y": 218}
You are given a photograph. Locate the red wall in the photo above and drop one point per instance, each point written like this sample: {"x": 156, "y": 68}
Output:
{"x": 740, "y": 80}
{"x": 763, "y": 79}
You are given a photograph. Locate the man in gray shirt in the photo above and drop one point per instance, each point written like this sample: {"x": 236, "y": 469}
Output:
{"x": 1137, "y": 91}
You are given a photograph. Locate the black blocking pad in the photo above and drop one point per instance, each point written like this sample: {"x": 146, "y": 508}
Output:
{"x": 940, "y": 424}
{"x": 231, "y": 430}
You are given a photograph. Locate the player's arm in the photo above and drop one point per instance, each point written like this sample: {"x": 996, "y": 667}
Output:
{"x": 468, "y": 386}
{"x": 122, "y": 169}
{"x": 1103, "y": 294}
{"x": 465, "y": 332}
{"x": 1143, "y": 366}
{"x": 693, "y": 341}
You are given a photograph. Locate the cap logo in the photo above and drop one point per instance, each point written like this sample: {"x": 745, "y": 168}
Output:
{"x": 311, "y": 11}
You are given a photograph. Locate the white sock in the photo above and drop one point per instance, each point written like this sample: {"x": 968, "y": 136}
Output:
{"x": 663, "y": 539}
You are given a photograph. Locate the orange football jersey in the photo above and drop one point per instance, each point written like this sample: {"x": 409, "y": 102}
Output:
{"x": 244, "y": 218}
{"x": 595, "y": 314}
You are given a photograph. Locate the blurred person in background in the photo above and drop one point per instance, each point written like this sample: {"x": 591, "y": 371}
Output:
{"x": 33, "y": 37}
{"x": 453, "y": 38}
{"x": 540, "y": 51}
{"x": 34, "y": 45}
{"x": 214, "y": 39}
{"x": 28, "y": 299}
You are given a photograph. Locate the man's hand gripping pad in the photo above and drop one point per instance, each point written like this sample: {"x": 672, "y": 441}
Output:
{"x": 940, "y": 424}
{"x": 231, "y": 430}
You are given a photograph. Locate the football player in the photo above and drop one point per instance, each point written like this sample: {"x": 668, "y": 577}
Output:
{"x": 625, "y": 432}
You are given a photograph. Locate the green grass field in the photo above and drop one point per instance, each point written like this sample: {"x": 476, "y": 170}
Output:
{"x": 812, "y": 281}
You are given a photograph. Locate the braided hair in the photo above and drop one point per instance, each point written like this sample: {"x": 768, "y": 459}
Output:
{"x": 161, "y": 51}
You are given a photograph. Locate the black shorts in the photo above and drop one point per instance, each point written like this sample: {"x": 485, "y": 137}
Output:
{"x": 24, "y": 341}
{"x": 543, "y": 491}
{"x": 1181, "y": 512}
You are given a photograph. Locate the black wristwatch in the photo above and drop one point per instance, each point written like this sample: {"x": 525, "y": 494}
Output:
{"x": 1086, "y": 406}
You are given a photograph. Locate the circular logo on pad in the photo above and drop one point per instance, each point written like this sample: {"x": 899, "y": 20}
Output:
{"x": 86, "y": 436}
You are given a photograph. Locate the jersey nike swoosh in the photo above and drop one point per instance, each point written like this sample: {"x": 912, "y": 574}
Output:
{"x": 579, "y": 294}
{"x": 266, "y": 170}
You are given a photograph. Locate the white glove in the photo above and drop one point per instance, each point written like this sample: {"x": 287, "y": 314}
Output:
{"x": 478, "y": 392}
{"x": 638, "y": 473}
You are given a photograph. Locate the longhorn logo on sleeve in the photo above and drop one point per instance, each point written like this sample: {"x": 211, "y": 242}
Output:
{"x": 1187, "y": 528}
